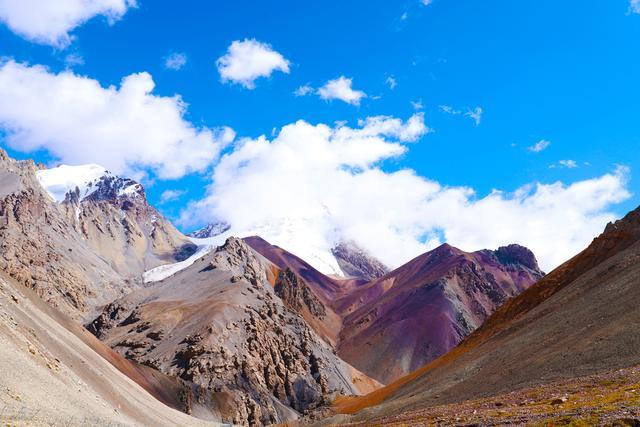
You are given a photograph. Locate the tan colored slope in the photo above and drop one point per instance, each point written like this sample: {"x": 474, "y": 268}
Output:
{"x": 581, "y": 319}
{"x": 49, "y": 376}
{"x": 42, "y": 251}
{"x": 125, "y": 230}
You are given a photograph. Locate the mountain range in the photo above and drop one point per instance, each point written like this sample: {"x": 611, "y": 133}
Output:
{"x": 106, "y": 301}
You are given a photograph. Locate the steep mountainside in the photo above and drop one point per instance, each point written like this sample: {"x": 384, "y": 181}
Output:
{"x": 41, "y": 249}
{"x": 581, "y": 319}
{"x": 113, "y": 215}
{"x": 53, "y": 372}
{"x": 326, "y": 289}
{"x": 221, "y": 325}
{"x": 426, "y": 307}
{"x": 77, "y": 240}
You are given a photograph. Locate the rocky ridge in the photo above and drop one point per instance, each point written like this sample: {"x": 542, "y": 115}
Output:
{"x": 220, "y": 325}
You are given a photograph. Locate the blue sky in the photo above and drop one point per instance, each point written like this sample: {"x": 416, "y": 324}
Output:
{"x": 563, "y": 72}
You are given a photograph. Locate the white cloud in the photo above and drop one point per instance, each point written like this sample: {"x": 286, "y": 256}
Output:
{"x": 391, "y": 82}
{"x": 175, "y": 61}
{"x": 634, "y": 6}
{"x": 73, "y": 59}
{"x": 126, "y": 129}
{"x": 341, "y": 89}
{"x": 304, "y": 90}
{"x": 475, "y": 115}
{"x": 171, "y": 195}
{"x": 312, "y": 186}
{"x": 569, "y": 164}
{"x": 50, "y": 22}
{"x": 539, "y": 146}
{"x": 417, "y": 105}
{"x": 426, "y": 2}
{"x": 248, "y": 60}
{"x": 450, "y": 110}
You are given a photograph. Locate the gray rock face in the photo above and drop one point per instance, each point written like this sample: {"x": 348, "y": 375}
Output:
{"x": 356, "y": 262}
{"x": 119, "y": 225}
{"x": 296, "y": 294}
{"x": 41, "y": 250}
{"x": 220, "y": 325}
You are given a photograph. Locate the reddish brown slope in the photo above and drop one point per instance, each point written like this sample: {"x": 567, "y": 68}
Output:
{"x": 426, "y": 307}
{"x": 581, "y": 319}
{"x": 327, "y": 289}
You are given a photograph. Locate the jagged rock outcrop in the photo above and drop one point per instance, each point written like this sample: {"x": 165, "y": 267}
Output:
{"x": 220, "y": 325}
{"x": 356, "y": 262}
{"x": 297, "y": 296}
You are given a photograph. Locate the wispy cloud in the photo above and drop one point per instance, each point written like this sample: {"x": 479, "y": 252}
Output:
{"x": 475, "y": 115}
{"x": 450, "y": 110}
{"x": 634, "y": 6}
{"x": 175, "y": 61}
{"x": 304, "y": 90}
{"x": 539, "y": 146}
{"x": 391, "y": 82}
{"x": 171, "y": 195}
{"x": 417, "y": 105}
{"x": 568, "y": 164}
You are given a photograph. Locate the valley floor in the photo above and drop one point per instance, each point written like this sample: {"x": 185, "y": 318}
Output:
{"x": 610, "y": 399}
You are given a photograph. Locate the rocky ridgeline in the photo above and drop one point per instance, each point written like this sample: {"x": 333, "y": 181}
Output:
{"x": 256, "y": 364}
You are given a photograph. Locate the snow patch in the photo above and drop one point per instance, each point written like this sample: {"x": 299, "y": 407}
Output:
{"x": 204, "y": 247}
{"x": 62, "y": 179}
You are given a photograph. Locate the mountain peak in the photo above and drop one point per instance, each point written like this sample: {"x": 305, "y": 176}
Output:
{"x": 210, "y": 230}
{"x": 86, "y": 182}
{"x": 517, "y": 254}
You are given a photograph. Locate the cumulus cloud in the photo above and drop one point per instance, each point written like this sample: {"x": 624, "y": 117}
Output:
{"x": 312, "y": 186}
{"x": 341, "y": 89}
{"x": 248, "y": 60}
{"x": 539, "y": 146}
{"x": 175, "y": 61}
{"x": 634, "y": 6}
{"x": 426, "y": 2}
{"x": 126, "y": 129}
{"x": 50, "y": 22}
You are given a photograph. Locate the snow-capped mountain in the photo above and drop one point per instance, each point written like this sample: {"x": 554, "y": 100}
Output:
{"x": 341, "y": 258}
{"x": 210, "y": 230}
{"x": 112, "y": 214}
{"x": 77, "y": 183}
